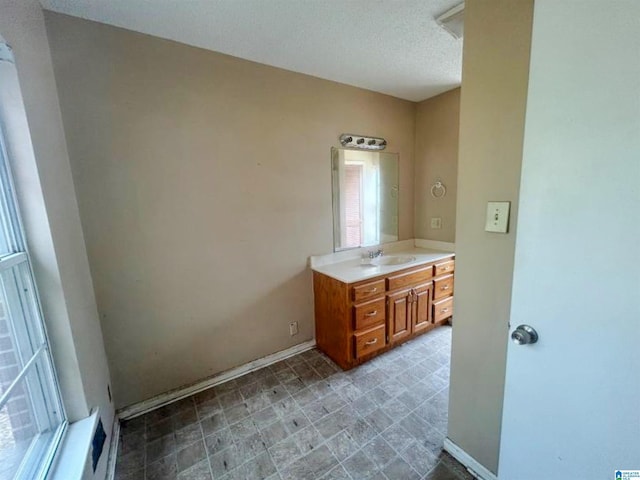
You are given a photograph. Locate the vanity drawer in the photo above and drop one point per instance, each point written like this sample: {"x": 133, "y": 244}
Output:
{"x": 369, "y": 341}
{"x": 367, "y": 290}
{"x": 443, "y": 268}
{"x": 442, "y": 309}
{"x": 443, "y": 287}
{"x": 409, "y": 278}
{"x": 368, "y": 314}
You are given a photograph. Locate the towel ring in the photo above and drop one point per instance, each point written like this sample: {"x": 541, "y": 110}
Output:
{"x": 438, "y": 190}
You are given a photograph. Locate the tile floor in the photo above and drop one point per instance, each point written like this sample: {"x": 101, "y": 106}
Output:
{"x": 304, "y": 418}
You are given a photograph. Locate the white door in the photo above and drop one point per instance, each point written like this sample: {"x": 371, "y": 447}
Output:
{"x": 572, "y": 400}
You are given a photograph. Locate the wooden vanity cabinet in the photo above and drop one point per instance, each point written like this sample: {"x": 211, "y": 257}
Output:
{"x": 442, "y": 309}
{"x": 356, "y": 321}
{"x": 422, "y": 314}
{"x": 408, "y": 312}
{"x": 443, "y": 287}
{"x": 443, "y": 291}
{"x": 399, "y": 313}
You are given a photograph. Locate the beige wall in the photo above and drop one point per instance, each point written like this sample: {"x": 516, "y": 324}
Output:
{"x": 437, "y": 127}
{"x": 494, "y": 89}
{"x": 32, "y": 126}
{"x": 436, "y": 158}
{"x": 204, "y": 183}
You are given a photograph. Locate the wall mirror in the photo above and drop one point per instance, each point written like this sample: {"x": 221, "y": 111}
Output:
{"x": 365, "y": 198}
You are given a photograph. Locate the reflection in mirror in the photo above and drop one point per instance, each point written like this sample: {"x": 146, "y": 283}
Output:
{"x": 365, "y": 198}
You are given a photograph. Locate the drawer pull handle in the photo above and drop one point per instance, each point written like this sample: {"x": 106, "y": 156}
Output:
{"x": 371, "y": 342}
{"x": 372, "y": 290}
{"x": 444, "y": 287}
{"x": 371, "y": 314}
{"x": 444, "y": 310}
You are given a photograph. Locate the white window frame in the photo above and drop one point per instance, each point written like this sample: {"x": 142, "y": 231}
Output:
{"x": 32, "y": 337}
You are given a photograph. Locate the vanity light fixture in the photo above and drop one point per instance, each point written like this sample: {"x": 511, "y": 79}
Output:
{"x": 366, "y": 143}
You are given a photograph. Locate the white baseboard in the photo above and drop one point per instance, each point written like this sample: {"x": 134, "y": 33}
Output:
{"x": 146, "y": 406}
{"x": 113, "y": 449}
{"x": 476, "y": 469}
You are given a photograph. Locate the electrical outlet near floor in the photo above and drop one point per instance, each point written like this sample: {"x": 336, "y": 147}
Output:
{"x": 293, "y": 328}
{"x": 436, "y": 222}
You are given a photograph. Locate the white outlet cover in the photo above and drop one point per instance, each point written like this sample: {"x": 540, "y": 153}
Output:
{"x": 436, "y": 222}
{"x": 293, "y": 328}
{"x": 497, "y": 217}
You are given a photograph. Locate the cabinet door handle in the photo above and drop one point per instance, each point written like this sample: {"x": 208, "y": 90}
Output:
{"x": 372, "y": 290}
{"x": 371, "y": 314}
{"x": 371, "y": 342}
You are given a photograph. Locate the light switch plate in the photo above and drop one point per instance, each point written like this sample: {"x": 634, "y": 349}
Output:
{"x": 497, "y": 217}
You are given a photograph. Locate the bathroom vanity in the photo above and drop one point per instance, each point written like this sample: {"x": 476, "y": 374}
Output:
{"x": 366, "y": 307}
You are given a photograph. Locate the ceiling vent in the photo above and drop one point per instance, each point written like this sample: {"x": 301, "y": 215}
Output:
{"x": 453, "y": 20}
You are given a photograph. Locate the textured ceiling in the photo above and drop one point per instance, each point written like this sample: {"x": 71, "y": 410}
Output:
{"x": 389, "y": 46}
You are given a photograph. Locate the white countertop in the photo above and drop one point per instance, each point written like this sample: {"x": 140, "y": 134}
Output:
{"x": 355, "y": 270}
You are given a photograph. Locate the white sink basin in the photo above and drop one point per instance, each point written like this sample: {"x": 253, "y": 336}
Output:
{"x": 392, "y": 260}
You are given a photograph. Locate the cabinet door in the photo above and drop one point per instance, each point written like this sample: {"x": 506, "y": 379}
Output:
{"x": 399, "y": 312}
{"x": 422, "y": 307}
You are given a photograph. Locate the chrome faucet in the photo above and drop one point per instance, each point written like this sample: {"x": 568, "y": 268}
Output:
{"x": 376, "y": 254}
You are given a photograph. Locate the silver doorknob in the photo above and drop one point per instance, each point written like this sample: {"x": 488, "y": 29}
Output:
{"x": 524, "y": 335}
